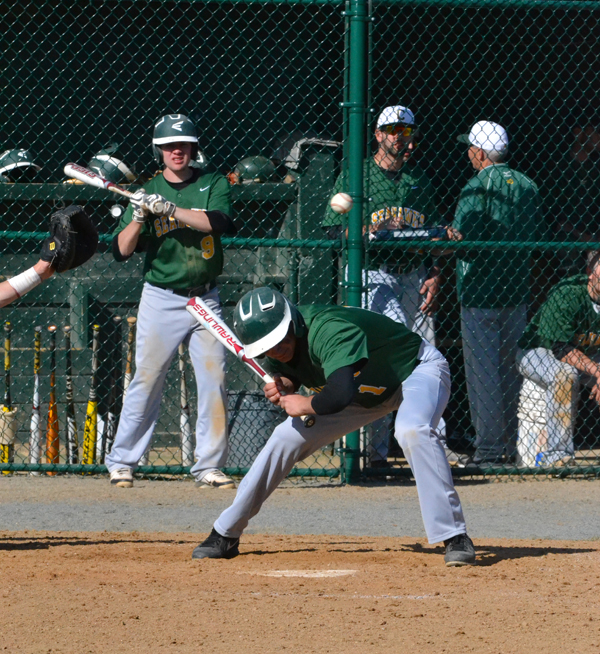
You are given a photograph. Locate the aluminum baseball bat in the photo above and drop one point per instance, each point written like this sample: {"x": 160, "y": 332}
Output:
{"x": 7, "y": 451}
{"x": 115, "y": 374}
{"x": 219, "y": 329}
{"x": 187, "y": 442}
{"x": 91, "y": 178}
{"x": 35, "y": 427}
{"x": 52, "y": 433}
{"x": 72, "y": 436}
{"x": 90, "y": 431}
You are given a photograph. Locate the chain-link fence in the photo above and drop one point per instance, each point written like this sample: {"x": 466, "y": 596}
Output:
{"x": 87, "y": 81}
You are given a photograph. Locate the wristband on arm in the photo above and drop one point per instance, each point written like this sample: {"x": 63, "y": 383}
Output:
{"x": 25, "y": 282}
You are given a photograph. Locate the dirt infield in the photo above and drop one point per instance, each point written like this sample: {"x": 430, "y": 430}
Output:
{"x": 80, "y": 593}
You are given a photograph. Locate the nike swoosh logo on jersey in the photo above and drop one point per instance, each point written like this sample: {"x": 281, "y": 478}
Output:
{"x": 204, "y": 189}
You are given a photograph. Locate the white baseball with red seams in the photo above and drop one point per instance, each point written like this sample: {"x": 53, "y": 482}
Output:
{"x": 341, "y": 203}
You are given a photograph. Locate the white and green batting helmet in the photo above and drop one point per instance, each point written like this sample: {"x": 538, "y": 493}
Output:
{"x": 17, "y": 165}
{"x": 173, "y": 128}
{"x": 262, "y": 319}
{"x": 109, "y": 165}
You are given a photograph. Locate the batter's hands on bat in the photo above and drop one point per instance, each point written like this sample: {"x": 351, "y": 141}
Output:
{"x": 140, "y": 208}
{"x": 275, "y": 390}
{"x": 154, "y": 201}
{"x": 296, "y": 405}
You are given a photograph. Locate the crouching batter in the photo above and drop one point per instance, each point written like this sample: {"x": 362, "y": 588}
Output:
{"x": 364, "y": 366}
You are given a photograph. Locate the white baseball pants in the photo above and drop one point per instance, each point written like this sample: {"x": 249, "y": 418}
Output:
{"x": 398, "y": 298}
{"x": 162, "y": 324}
{"x": 560, "y": 383}
{"x": 420, "y": 402}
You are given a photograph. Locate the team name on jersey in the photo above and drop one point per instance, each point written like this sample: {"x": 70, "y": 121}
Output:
{"x": 587, "y": 340}
{"x": 400, "y": 215}
{"x": 163, "y": 225}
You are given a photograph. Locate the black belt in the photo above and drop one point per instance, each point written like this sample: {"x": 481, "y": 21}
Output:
{"x": 192, "y": 292}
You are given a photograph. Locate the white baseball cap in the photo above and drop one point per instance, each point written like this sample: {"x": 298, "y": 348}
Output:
{"x": 486, "y": 135}
{"x": 397, "y": 114}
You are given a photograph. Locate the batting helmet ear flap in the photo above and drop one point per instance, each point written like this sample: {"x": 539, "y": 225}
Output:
{"x": 157, "y": 152}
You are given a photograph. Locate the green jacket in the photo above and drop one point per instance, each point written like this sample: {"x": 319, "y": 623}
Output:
{"x": 498, "y": 204}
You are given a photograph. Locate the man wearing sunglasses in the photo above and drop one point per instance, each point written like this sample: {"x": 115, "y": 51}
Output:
{"x": 400, "y": 284}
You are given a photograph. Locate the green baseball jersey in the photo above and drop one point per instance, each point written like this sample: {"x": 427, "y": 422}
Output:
{"x": 342, "y": 336}
{"x": 178, "y": 256}
{"x": 408, "y": 197}
{"x": 567, "y": 316}
{"x": 498, "y": 204}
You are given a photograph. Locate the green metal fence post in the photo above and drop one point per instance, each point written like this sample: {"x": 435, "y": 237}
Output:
{"x": 357, "y": 15}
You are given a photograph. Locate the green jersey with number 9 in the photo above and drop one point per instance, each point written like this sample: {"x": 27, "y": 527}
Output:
{"x": 178, "y": 256}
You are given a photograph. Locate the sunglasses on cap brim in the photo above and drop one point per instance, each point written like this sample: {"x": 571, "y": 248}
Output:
{"x": 398, "y": 128}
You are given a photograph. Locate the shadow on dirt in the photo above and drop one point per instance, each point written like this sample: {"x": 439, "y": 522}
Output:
{"x": 15, "y": 543}
{"x": 492, "y": 554}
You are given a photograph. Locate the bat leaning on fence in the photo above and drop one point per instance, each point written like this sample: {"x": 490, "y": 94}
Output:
{"x": 110, "y": 423}
{"x": 8, "y": 425}
{"x": 72, "y": 436}
{"x": 90, "y": 431}
{"x": 219, "y": 329}
{"x": 52, "y": 434}
{"x": 35, "y": 426}
{"x": 187, "y": 441}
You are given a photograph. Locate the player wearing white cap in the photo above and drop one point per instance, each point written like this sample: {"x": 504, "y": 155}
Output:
{"x": 400, "y": 284}
{"x": 498, "y": 204}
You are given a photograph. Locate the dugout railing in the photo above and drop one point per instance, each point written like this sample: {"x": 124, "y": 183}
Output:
{"x": 302, "y": 83}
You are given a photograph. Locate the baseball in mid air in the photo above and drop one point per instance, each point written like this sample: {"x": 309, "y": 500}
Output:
{"x": 341, "y": 203}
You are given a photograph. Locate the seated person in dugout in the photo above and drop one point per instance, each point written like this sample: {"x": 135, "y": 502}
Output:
{"x": 364, "y": 365}
{"x": 559, "y": 350}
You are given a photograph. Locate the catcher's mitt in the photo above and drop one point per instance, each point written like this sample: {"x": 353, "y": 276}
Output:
{"x": 73, "y": 239}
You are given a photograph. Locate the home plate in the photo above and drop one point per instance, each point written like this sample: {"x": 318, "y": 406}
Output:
{"x": 301, "y": 573}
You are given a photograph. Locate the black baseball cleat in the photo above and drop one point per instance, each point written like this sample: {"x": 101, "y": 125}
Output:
{"x": 459, "y": 551}
{"x": 217, "y": 547}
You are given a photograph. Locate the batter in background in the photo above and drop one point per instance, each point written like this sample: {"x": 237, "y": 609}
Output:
{"x": 184, "y": 256}
{"x": 400, "y": 284}
{"x": 362, "y": 366}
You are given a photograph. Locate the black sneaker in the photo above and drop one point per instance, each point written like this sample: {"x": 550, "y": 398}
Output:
{"x": 217, "y": 547}
{"x": 459, "y": 551}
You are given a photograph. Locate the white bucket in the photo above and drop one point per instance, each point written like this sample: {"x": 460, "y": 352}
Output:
{"x": 533, "y": 434}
